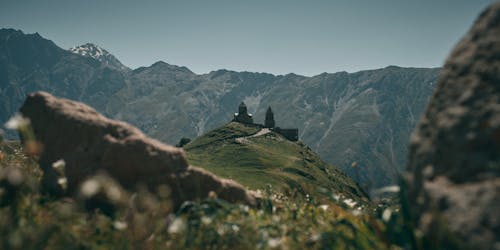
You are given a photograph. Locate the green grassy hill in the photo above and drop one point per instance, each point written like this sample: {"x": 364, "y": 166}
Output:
{"x": 233, "y": 151}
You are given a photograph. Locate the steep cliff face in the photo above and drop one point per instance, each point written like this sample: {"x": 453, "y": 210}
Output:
{"x": 363, "y": 118}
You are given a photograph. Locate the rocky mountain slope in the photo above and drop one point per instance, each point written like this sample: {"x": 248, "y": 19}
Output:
{"x": 358, "y": 119}
{"x": 100, "y": 54}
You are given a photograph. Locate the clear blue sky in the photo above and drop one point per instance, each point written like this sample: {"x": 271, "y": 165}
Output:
{"x": 278, "y": 36}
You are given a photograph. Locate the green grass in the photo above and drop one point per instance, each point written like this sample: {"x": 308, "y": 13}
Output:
{"x": 269, "y": 159}
{"x": 30, "y": 219}
{"x": 230, "y": 131}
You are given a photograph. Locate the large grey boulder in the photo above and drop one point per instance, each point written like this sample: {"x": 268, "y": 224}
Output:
{"x": 454, "y": 156}
{"x": 90, "y": 143}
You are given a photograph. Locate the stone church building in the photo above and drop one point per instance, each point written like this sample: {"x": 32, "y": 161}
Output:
{"x": 244, "y": 117}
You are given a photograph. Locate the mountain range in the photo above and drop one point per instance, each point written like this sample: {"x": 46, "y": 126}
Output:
{"x": 360, "y": 121}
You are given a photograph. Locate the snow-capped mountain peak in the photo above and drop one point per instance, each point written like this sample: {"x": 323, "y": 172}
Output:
{"x": 91, "y": 50}
{"x": 100, "y": 54}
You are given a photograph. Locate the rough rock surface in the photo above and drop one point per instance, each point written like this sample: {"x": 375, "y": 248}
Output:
{"x": 88, "y": 143}
{"x": 455, "y": 151}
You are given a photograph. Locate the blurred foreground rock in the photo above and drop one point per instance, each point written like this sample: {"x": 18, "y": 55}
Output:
{"x": 455, "y": 151}
{"x": 87, "y": 143}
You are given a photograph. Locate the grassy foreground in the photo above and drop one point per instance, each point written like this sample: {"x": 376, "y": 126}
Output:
{"x": 32, "y": 220}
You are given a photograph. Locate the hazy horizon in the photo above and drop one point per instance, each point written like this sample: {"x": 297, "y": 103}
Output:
{"x": 277, "y": 37}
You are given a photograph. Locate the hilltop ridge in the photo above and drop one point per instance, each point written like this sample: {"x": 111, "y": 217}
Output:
{"x": 258, "y": 157}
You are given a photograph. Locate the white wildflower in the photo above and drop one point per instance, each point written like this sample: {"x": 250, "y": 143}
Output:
{"x": 387, "y": 189}
{"x": 315, "y": 237}
{"x": 274, "y": 242}
{"x": 62, "y": 181}
{"x": 275, "y": 218}
{"x": 235, "y": 228}
{"x": 356, "y": 212}
{"x": 336, "y": 197}
{"x": 244, "y": 208}
{"x": 324, "y": 207}
{"x": 428, "y": 171}
{"x": 349, "y": 202}
{"x": 113, "y": 192}
{"x": 90, "y": 188}
{"x": 386, "y": 215}
{"x": 220, "y": 230}
{"x": 206, "y": 220}
{"x": 59, "y": 165}
{"x": 120, "y": 225}
{"x": 15, "y": 177}
{"x": 177, "y": 226}
{"x": 17, "y": 122}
